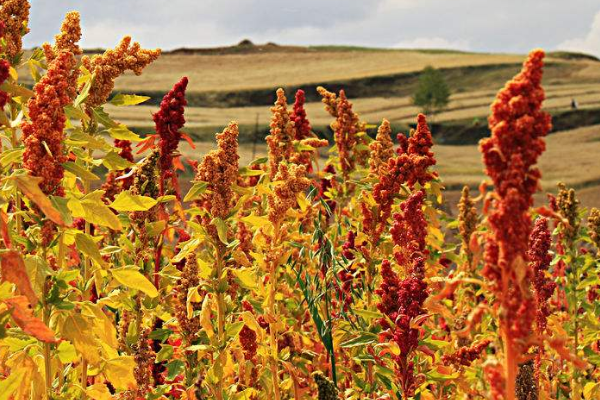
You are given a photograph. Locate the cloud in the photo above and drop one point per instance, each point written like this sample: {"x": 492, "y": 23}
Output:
{"x": 500, "y": 25}
{"x": 590, "y": 43}
{"x": 433, "y": 43}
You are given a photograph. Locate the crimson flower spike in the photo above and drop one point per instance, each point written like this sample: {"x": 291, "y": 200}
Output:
{"x": 169, "y": 120}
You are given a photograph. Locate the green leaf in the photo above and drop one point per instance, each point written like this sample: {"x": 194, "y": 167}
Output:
{"x": 161, "y": 334}
{"x": 174, "y": 368}
{"x": 368, "y": 314}
{"x": 114, "y": 162}
{"x": 165, "y": 353}
{"x": 361, "y": 340}
{"x": 102, "y": 116}
{"x": 85, "y": 92}
{"x": 132, "y": 278}
{"x": 245, "y": 171}
{"x": 75, "y": 113}
{"x": 88, "y": 246}
{"x": 125, "y": 201}
{"x": 127, "y": 100}
{"x": 260, "y": 160}
{"x": 60, "y": 203}
{"x": 221, "y": 229}
{"x": 11, "y": 156}
{"x": 591, "y": 356}
{"x": 121, "y": 132}
{"x": 195, "y": 191}
{"x": 79, "y": 171}
{"x": 232, "y": 330}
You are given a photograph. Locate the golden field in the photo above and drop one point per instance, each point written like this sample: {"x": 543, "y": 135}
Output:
{"x": 227, "y": 71}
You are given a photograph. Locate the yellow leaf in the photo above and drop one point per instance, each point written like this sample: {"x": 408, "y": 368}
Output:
{"x": 241, "y": 258}
{"x": 103, "y": 325}
{"x": 88, "y": 246}
{"x": 29, "y": 185}
{"x": 132, "y": 278}
{"x": 247, "y": 277}
{"x": 66, "y": 352}
{"x": 93, "y": 210}
{"x": 302, "y": 203}
{"x": 126, "y": 201}
{"x": 256, "y": 221}
{"x": 205, "y": 317}
{"x": 9, "y": 385}
{"x": 250, "y": 320}
{"x": 591, "y": 390}
{"x": 98, "y": 391}
{"x": 221, "y": 229}
{"x": 119, "y": 371}
{"x": 78, "y": 330}
{"x": 192, "y": 297}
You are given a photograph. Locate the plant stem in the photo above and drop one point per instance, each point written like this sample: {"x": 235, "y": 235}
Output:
{"x": 220, "y": 310}
{"x": 272, "y": 326}
{"x": 14, "y": 143}
{"x": 47, "y": 351}
{"x": 86, "y": 272}
{"x": 510, "y": 366}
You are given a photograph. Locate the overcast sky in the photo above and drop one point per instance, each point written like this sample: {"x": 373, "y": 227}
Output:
{"x": 478, "y": 25}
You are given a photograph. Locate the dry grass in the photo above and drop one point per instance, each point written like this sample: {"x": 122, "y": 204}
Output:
{"x": 396, "y": 109}
{"x": 571, "y": 157}
{"x": 257, "y": 71}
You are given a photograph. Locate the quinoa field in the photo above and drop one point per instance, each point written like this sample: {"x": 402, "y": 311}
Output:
{"x": 332, "y": 257}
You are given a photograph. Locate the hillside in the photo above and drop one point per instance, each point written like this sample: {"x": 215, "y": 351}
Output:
{"x": 238, "y": 83}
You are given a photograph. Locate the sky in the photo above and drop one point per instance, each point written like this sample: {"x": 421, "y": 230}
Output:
{"x": 512, "y": 26}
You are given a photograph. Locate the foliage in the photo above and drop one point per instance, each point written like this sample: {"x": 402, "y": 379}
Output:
{"x": 433, "y": 93}
{"x": 281, "y": 279}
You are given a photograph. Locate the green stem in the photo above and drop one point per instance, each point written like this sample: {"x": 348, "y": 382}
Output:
{"x": 273, "y": 326}
{"x": 19, "y": 219}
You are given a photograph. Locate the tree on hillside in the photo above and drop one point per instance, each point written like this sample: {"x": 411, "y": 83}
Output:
{"x": 432, "y": 93}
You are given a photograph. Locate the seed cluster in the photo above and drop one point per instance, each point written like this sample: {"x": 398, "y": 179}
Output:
{"x": 107, "y": 67}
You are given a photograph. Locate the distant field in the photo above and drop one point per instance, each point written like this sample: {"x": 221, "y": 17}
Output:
{"x": 258, "y": 71}
{"x": 397, "y": 109}
{"x": 379, "y": 83}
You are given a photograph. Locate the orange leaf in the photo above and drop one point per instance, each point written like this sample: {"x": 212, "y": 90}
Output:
{"x": 4, "y": 228}
{"x": 23, "y": 316}
{"x": 177, "y": 164}
{"x": 146, "y": 143}
{"x": 14, "y": 271}
{"x": 29, "y": 185}
{"x": 189, "y": 140}
{"x": 559, "y": 345}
